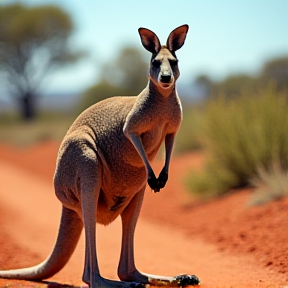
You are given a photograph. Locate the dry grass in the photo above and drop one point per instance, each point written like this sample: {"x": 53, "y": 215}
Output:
{"x": 271, "y": 184}
{"x": 239, "y": 135}
{"x": 47, "y": 126}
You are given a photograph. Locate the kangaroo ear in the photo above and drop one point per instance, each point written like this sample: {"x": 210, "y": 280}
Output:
{"x": 177, "y": 38}
{"x": 149, "y": 40}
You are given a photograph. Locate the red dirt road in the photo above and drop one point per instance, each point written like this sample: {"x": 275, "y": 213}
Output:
{"x": 223, "y": 242}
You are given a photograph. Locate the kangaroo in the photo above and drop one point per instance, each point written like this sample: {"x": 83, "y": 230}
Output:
{"x": 103, "y": 165}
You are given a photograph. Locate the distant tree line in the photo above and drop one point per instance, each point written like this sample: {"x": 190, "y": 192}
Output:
{"x": 34, "y": 43}
{"x": 273, "y": 72}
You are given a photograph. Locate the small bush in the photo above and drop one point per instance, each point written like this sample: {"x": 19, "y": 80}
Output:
{"x": 188, "y": 135}
{"x": 271, "y": 184}
{"x": 239, "y": 135}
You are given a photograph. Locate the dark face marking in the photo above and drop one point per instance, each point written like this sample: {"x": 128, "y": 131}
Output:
{"x": 164, "y": 68}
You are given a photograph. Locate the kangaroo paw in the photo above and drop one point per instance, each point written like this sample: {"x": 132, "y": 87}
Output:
{"x": 162, "y": 179}
{"x": 153, "y": 182}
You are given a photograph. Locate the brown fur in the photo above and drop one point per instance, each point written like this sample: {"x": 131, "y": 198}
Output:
{"x": 103, "y": 166}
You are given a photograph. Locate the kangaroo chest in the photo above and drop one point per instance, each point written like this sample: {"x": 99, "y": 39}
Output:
{"x": 153, "y": 138}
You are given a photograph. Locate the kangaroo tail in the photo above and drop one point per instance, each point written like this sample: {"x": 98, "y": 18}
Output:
{"x": 69, "y": 233}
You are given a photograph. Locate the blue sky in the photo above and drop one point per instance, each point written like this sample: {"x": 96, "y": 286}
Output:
{"x": 225, "y": 37}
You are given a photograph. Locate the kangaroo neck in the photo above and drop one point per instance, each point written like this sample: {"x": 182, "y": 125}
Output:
{"x": 158, "y": 92}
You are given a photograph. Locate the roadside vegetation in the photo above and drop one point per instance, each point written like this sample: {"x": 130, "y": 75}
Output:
{"x": 49, "y": 125}
{"x": 189, "y": 134}
{"x": 271, "y": 184}
{"x": 242, "y": 129}
{"x": 241, "y": 136}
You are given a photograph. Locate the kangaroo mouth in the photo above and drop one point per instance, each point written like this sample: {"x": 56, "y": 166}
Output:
{"x": 165, "y": 85}
{"x": 161, "y": 84}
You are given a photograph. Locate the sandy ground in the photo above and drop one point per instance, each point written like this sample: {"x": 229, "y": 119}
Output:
{"x": 223, "y": 242}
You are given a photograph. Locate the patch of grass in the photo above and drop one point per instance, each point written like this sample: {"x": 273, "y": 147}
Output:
{"x": 48, "y": 125}
{"x": 271, "y": 184}
{"x": 188, "y": 135}
{"x": 239, "y": 135}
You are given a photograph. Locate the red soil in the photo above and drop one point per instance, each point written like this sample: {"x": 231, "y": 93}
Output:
{"x": 257, "y": 236}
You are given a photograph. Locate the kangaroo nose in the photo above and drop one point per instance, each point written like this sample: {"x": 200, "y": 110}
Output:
{"x": 165, "y": 78}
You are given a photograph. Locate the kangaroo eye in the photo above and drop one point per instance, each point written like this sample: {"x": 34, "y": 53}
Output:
{"x": 156, "y": 63}
{"x": 173, "y": 62}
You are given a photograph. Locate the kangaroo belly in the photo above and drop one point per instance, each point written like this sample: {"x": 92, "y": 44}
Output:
{"x": 108, "y": 209}
{"x": 120, "y": 183}
{"x": 104, "y": 215}
{"x": 110, "y": 205}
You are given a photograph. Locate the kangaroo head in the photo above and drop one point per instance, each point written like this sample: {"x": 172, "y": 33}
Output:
{"x": 164, "y": 63}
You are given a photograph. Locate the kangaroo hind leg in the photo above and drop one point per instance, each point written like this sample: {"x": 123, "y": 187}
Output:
{"x": 90, "y": 189}
{"x": 127, "y": 270}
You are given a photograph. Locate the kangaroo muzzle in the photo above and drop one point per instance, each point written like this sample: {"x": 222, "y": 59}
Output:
{"x": 165, "y": 78}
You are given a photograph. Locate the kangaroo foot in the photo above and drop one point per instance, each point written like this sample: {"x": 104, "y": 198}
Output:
{"x": 100, "y": 282}
{"x": 185, "y": 280}
{"x": 178, "y": 281}
{"x": 134, "y": 276}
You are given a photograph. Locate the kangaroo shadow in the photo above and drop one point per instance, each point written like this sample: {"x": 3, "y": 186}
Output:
{"x": 50, "y": 284}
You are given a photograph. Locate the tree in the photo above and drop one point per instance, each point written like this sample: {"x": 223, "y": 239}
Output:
{"x": 235, "y": 85}
{"x": 204, "y": 85}
{"x": 276, "y": 71}
{"x": 129, "y": 70}
{"x": 124, "y": 75}
{"x": 33, "y": 42}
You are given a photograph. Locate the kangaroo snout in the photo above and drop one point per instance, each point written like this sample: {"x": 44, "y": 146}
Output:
{"x": 165, "y": 78}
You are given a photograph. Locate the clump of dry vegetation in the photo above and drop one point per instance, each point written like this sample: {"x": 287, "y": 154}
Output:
{"x": 271, "y": 183}
{"x": 240, "y": 136}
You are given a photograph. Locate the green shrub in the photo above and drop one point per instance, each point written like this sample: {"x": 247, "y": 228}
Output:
{"x": 239, "y": 135}
{"x": 188, "y": 135}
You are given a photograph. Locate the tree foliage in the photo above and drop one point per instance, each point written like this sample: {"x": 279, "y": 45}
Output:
{"x": 276, "y": 71}
{"x": 273, "y": 72}
{"x": 124, "y": 75}
{"x": 33, "y": 41}
{"x": 234, "y": 85}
